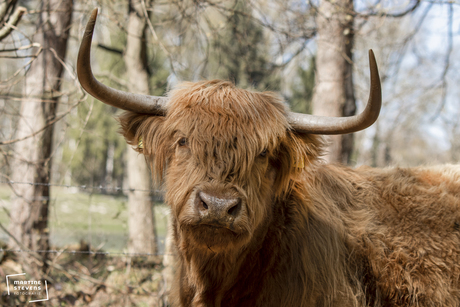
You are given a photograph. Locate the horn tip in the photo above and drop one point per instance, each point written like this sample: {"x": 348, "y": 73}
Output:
{"x": 372, "y": 60}
{"x": 371, "y": 54}
{"x": 94, "y": 13}
{"x": 91, "y": 24}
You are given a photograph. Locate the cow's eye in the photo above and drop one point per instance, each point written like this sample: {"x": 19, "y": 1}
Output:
{"x": 183, "y": 142}
{"x": 263, "y": 153}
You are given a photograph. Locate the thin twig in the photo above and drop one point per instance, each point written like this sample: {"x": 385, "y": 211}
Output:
{"x": 21, "y": 48}
{"x": 41, "y": 129}
{"x": 446, "y": 62}
{"x": 155, "y": 36}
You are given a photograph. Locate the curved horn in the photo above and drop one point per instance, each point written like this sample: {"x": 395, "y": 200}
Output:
{"x": 127, "y": 101}
{"x": 341, "y": 125}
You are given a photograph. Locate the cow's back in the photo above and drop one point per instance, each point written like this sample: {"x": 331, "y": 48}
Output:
{"x": 412, "y": 237}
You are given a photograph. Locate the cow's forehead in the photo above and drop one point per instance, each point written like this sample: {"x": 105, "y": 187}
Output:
{"x": 224, "y": 111}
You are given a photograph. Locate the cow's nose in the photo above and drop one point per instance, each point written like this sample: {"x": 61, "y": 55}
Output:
{"x": 217, "y": 208}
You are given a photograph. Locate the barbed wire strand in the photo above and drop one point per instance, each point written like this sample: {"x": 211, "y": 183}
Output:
{"x": 51, "y": 251}
{"x": 83, "y": 187}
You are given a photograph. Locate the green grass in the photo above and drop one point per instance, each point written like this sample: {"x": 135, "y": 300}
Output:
{"x": 101, "y": 220}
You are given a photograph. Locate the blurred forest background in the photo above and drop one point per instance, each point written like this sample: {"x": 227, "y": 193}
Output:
{"x": 77, "y": 205}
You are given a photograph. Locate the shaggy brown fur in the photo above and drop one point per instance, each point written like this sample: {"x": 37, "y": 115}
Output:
{"x": 309, "y": 234}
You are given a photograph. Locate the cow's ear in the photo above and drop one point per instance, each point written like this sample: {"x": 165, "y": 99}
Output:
{"x": 147, "y": 135}
{"x": 141, "y": 131}
{"x": 296, "y": 152}
{"x": 311, "y": 147}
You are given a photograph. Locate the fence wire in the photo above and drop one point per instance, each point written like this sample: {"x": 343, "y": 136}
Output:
{"x": 83, "y": 188}
{"x": 120, "y": 254}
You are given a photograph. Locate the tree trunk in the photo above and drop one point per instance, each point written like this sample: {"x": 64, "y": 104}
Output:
{"x": 142, "y": 236}
{"x": 29, "y": 214}
{"x": 334, "y": 93}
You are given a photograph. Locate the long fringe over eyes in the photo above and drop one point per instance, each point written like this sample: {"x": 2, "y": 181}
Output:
{"x": 227, "y": 129}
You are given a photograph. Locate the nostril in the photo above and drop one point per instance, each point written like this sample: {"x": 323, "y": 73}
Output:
{"x": 234, "y": 210}
{"x": 200, "y": 203}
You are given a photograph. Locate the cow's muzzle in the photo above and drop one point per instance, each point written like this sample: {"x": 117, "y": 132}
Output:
{"x": 217, "y": 210}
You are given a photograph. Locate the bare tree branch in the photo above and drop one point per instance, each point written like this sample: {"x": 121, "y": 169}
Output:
{"x": 110, "y": 49}
{"x": 58, "y": 118}
{"x": 446, "y": 62}
{"x": 12, "y": 22}
{"x": 410, "y": 9}
{"x": 407, "y": 40}
{"x": 21, "y": 48}
{"x": 155, "y": 36}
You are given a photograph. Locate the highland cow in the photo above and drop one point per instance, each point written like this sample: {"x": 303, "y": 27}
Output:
{"x": 259, "y": 220}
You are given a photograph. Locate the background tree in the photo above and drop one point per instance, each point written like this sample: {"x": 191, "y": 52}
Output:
{"x": 239, "y": 52}
{"x": 94, "y": 151}
{"x": 334, "y": 92}
{"x": 33, "y": 160}
{"x": 142, "y": 236}
{"x": 302, "y": 90}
